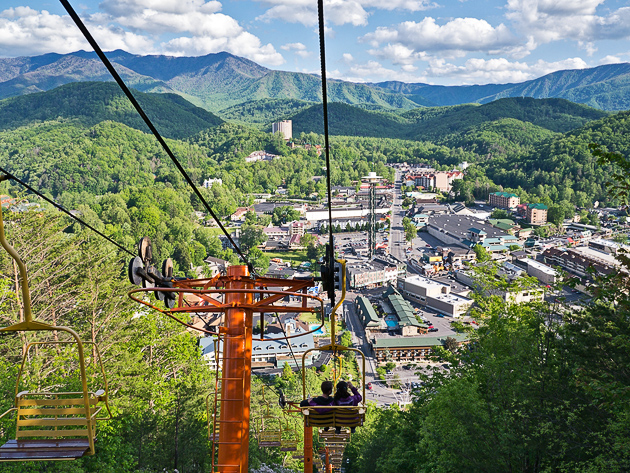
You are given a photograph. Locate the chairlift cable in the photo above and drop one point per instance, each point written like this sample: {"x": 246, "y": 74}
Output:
{"x": 82, "y": 222}
{"x": 322, "y": 54}
{"x": 147, "y": 121}
{"x": 288, "y": 341}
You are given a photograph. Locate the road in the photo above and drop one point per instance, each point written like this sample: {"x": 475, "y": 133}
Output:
{"x": 397, "y": 244}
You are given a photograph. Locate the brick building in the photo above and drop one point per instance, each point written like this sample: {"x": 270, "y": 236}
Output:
{"x": 536, "y": 214}
{"x": 504, "y": 200}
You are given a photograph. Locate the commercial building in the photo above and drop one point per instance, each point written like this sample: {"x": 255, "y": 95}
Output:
{"x": 508, "y": 272}
{"x": 430, "y": 179}
{"x": 467, "y": 231}
{"x": 434, "y": 295}
{"x": 370, "y": 274}
{"x": 504, "y": 200}
{"x": 366, "y": 313}
{"x": 545, "y": 274}
{"x": 405, "y": 349}
{"x": 399, "y": 315}
{"x": 580, "y": 262}
{"x": 285, "y": 127}
{"x": 270, "y": 353}
{"x": 536, "y": 214}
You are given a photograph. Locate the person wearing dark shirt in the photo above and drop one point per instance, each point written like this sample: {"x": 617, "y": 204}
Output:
{"x": 324, "y": 400}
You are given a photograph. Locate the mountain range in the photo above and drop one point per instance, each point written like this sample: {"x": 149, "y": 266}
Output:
{"x": 220, "y": 81}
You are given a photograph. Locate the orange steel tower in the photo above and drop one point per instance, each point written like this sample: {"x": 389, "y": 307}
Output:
{"x": 238, "y": 296}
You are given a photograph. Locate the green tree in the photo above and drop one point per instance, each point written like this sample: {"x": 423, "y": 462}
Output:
{"x": 482, "y": 253}
{"x": 284, "y": 214}
{"x": 251, "y": 236}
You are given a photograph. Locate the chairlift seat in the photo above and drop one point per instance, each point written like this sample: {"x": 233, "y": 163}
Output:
{"x": 52, "y": 426}
{"x": 353, "y": 416}
{"x": 270, "y": 438}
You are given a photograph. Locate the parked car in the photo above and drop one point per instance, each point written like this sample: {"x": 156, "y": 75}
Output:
{"x": 369, "y": 386}
{"x": 433, "y": 329}
{"x": 441, "y": 315}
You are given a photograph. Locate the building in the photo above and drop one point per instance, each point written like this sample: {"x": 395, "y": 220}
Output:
{"x": 468, "y": 231}
{"x": 580, "y": 262}
{"x": 348, "y": 212}
{"x": 508, "y": 272}
{"x": 431, "y": 179}
{"x": 434, "y": 295}
{"x": 536, "y": 214}
{"x": 260, "y": 156}
{"x": 366, "y": 313}
{"x": 545, "y": 274}
{"x": 405, "y": 349}
{"x": 273, "y": 352}
{"x": 296, "y": 228}
{"x": 285, "y": 127}
{"x": 216, "y": 265}
{"x": 504, "y": 200}
{"x": 370, "y": 274}
{"x": 239, "y": 214}
{"x": 208, "y": 183}
{"x": 399, "y": 315}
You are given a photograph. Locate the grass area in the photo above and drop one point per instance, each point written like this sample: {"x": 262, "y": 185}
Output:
{"x": 309, "y": 318}
{"x": 295, "y": 257}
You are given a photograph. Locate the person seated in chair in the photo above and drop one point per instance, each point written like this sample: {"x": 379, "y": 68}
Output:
{"x": 325, "y": 399}
{"x": 344, "y": 398}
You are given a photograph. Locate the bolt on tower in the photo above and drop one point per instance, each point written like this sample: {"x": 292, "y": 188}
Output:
{"x": 372, "y": 179}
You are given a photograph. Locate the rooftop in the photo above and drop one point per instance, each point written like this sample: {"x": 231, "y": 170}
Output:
{"x": 415, "y": 342}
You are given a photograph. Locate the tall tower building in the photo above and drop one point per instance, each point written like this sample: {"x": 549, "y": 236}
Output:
{"x": 285, "y": 127}
{"x": 372, "y": 179}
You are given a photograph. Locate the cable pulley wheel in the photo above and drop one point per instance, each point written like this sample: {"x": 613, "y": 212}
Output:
{"x": 134, "y": 265}
{"x": 167, "y": 268}
{"x": 145, "y": 251}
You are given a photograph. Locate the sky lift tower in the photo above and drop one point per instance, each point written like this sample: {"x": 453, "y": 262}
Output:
{"x": 372, "y": 179}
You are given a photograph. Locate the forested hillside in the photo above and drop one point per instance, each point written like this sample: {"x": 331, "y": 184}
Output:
{"x": 444, "y": 124}
{"x": 90, "y": 103}
{"x": 605, "y": 87}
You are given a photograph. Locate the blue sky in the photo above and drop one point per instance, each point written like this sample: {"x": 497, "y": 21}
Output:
{"x": 449, "y": 42}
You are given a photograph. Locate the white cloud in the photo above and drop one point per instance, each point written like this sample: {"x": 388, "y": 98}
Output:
{"x": 374, "y": 71}
{"x": 410, "y": 5}
{"x": 243, "y": 44}
{"x": 610, "y": 60}
{"x": 555, "y": 20}
{"x": 409, "y": 40}
{"x": 338, "y": 12}
{"x": 499, "y": 70}
{"x": 347, "y": 58}
{"x": 123, "y": 8}
{"x": 24, "y": 31}
{"x": 298, "y": 49}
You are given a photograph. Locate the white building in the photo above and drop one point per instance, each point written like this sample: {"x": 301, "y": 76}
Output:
{"x": 545, "y": 274}
{"x": 433, "y": 294}
{"x": 208, "y": 183}
{"x": 285, "y": 127}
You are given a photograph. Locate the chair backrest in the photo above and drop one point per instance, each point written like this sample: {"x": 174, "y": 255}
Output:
{"x": 61, "y": 415}
{"x": 337, "y": 417}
